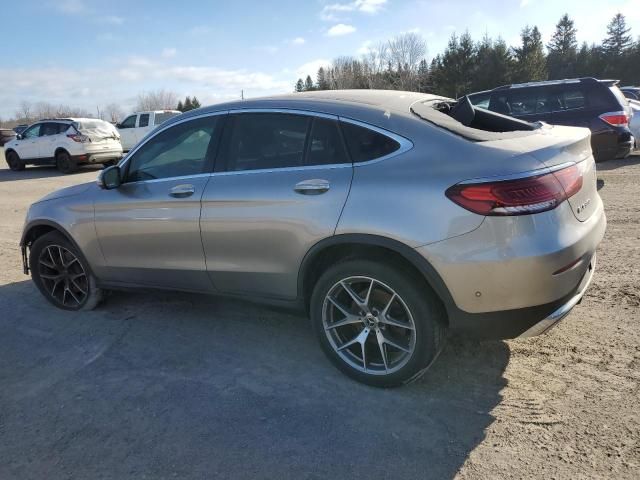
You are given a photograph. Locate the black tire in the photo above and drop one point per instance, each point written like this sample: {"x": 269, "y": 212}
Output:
{"x": 424, "y": 309}
{"x": 81, "y": 292}
{"x": 14, "y": 161}
{"x": 66, "y": 163}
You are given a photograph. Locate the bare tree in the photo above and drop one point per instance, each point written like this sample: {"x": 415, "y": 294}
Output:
{"x": 405, "y": 53}
{"x": 156, "y": 100}
{"x": 24, "y": 112}
{"x": 113, "y": 112}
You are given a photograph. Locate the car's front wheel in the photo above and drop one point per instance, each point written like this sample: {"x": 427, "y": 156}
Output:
{"x": 14, "y": 161}
{"x": 62, "y": 275}
{"x": 379, "y": 324}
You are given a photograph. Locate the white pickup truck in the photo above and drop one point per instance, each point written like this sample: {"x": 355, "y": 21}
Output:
{"x": 134, "y": 128}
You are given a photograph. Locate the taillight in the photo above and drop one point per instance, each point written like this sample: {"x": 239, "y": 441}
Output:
{"x": 615, "y": 119}
{"x": 522, "y": 196}
{"x": 77, "y": 137}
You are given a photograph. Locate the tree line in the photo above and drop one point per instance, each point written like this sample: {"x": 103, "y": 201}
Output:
{"x": 146, "y": 101}
{"x": 467, "y": 66}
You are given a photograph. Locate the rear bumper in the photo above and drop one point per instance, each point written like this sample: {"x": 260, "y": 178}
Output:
{"x": 100, "y": 157}
{"x": 522, "y": 322}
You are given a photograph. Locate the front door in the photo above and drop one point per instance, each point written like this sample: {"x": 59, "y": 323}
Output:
{"x": 149, "y": 227}
{"x": 29, "y": 145}
{"x": 280, "y": 185}
{"x": 127, "y": 131}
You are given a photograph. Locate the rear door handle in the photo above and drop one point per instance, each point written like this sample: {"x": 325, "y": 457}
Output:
{"x": 314, "y": 186}
{"x": 181, "y": 191}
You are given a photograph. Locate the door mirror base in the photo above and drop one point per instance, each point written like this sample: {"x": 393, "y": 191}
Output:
{"x": 109, "y": 178}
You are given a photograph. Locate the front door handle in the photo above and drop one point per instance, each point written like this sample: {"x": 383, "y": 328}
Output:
{"x": 315, "y": 186}
{"x": 181, "y": 191}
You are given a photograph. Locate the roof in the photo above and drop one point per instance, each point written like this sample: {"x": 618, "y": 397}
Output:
{"x": 393, "y": 100}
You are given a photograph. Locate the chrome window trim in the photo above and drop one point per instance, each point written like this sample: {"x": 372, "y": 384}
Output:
{"x": 405, "y": 143}
{"x": 292, "y": 111}
{"x": 516, "y": 176}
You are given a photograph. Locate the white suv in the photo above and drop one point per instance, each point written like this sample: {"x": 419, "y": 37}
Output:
{"x": 65, "y": 143}
{"x": 136, "y": 126}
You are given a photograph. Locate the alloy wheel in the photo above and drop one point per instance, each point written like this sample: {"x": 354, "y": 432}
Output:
{"x": 369, "y": 325}
{"x": 63, "y": 276}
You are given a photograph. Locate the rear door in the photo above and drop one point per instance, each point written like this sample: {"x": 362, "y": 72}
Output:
{"x": 127, "y": 132}
{"x": 572, "y": 108}
{"x": 145, "y": 125}
{"x": 532, "y": 104}
{"x": 281, "y": 181}
{"x": 50, "y": 137}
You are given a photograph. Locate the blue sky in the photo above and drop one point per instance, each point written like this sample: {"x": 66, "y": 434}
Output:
{"x": 88, "y": 53}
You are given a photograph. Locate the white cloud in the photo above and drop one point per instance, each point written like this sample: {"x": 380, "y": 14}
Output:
{"x": 70, "y": 6}
{"x": 335, "y": 11}
{"x": 169, "y": 52}
{"x": 365, "y": 48}
{"x": 311, "y": 68}
{"x": 298, "y": 41}
{"x": 124, "y": 79}
{"x": 340, "y": 29}
{"x": 524, "y": 3}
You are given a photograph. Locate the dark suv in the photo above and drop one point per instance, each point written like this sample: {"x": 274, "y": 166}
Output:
{"x": 584, "y": 102}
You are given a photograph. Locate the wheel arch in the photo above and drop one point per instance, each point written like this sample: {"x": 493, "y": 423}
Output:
{"x": 345, "y": 245}
{"x": 38, "y": 228}
{"x": 60, "y": 150}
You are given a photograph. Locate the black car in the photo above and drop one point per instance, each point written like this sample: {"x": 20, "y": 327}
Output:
{"x": 20, "y": 128}
{"x": 6, "y": 134}
{"x": 632, "y": 93}
{"x": 583, "y": 102}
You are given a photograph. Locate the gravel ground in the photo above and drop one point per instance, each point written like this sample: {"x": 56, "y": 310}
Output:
{"x": 163, "y": 385}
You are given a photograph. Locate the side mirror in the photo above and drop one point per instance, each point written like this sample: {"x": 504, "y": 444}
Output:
{"x": 118, "y": 125}
{"x": 109, "y": 178}
{"x": 19, "y": 136}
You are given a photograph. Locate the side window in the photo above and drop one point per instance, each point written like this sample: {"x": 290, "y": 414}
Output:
{"x": 265, "y": 140}
{"x": 32, "y": 132}
{"x": 129, "y": 122}
{"x": 524, "y": 101}
{"x": 570, "y": 100}
{"x": 365, "y": 144}
{"x": 144, "y": 120}
{"x": 48, "y": 129}
{"x": 178, "y": 151}
{"x": 63, "y": 127}
{"x": 325, "y": 144}
{"x": 160, "y": 118}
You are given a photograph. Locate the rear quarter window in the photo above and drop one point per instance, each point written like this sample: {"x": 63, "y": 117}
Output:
{"x": 365, "y": 144}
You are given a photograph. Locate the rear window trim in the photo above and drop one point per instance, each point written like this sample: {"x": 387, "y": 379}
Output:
{"x": 405, "y": 143}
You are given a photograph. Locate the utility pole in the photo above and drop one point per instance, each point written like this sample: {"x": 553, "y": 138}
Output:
{"x": 242, "y": 94}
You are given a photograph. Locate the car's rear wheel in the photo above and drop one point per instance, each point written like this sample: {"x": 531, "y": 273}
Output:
{"x": 14, "y": 161}
{"x": 65, "y": 162}
{"x": 376, "y": 323}
{"x": 62, "y": 275}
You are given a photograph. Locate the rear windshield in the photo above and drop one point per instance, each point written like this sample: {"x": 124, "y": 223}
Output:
{"x": 164, "y": 116}
{"x": 96, "y": 129}
{"x": 619, "y": 95}
{"x": 473, "y": 123}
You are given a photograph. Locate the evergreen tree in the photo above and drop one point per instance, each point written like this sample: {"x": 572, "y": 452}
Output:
{"x": 299, "y": 85}
{"x": 323, "y": 83}
{"x": 195, "y": 103}
{"x": 530, "y": 64}
{"x": 187, "y": 104}
{"x": 618, "y": 39}
{"x": 494, "y": 64}
{"x": 180, "y": 107}
{"x": 563, "y": 50}
{"x": 308, "y": 84}
{"x": 423, "y": 76}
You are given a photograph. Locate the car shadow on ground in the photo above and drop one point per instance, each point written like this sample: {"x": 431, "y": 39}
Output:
{"x": 33, "y": 173}
{"x": 619, "y": 163}
{"x": 171, "y": 384}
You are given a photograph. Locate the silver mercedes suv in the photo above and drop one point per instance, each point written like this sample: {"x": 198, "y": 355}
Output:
{"x": 389, "y": 217}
